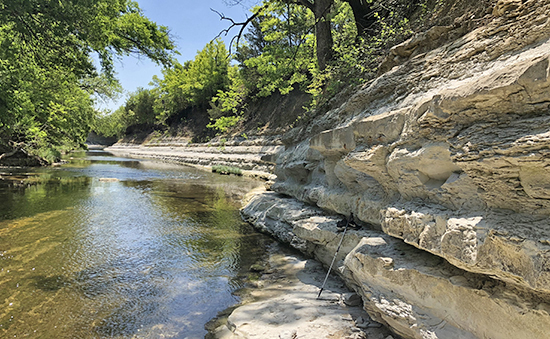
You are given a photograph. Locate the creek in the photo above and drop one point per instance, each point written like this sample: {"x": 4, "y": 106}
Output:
{"x": 107, "y": 247}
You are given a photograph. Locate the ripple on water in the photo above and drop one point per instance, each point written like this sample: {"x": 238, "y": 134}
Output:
{"x": 157, "y": 253}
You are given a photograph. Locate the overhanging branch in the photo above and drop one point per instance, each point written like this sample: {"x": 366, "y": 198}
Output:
{"x": 243, "y": 25}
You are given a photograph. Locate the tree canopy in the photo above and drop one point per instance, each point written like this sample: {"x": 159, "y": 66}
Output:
{"x": 49, "y": 75}
{"x": 47, "y": 70}
{"x": 315, "y": 46}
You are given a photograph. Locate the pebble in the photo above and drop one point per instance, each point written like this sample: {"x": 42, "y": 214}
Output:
{"x": 374, "y": 325}
{"x": 363, "y": 325}
{"x": 347, "y": 317}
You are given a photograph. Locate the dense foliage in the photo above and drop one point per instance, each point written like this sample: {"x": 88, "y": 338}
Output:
{"x": 279, "y": 52}
{"x": 48, "y": 78}
{"x": 47, "y": 72}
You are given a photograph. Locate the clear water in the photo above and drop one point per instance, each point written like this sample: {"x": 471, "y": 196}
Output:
{"x": 154, "y": 254}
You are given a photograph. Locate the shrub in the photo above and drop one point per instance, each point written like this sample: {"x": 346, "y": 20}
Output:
{"x": 226, "y": 170}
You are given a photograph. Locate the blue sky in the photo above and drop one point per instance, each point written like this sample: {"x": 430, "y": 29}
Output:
{"x": 192, "y": 25}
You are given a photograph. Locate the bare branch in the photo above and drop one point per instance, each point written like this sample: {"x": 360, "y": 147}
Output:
{"x": 243, "y": 25}
{"x": 8, "y": 154}
{"x": 16, "y": 147}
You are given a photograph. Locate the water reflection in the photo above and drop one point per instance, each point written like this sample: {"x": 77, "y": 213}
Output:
{"x": 155, "y": 254}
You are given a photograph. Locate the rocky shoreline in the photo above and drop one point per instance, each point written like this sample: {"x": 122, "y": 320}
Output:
{"x": 401, "y": 286}
{"x": 283, "y": 304}
{"x": 443, "y": 159}
{"x": 254, "y": 158}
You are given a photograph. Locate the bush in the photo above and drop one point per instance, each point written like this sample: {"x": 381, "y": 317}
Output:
{"x": 226, "y": 170}
{"x": 223, "y": 124}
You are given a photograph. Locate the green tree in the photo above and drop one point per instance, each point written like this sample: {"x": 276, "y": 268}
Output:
{"x": 47, "y": 74}
{"x": 278, "y": 52}
{"x": 138, "y": 110}
{"x": 194, "y": 83}
{"x": 366, "y": 15}
{"x": 140, "y": 106}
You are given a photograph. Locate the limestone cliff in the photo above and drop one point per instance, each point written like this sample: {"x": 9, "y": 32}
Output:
{"x": 444, "y": 159}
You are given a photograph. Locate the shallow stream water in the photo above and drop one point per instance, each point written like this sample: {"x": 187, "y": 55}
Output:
{"x": 108, "y": 247}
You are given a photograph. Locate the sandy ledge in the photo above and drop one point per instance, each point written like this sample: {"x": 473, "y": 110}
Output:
{"x": 283, "y": 304}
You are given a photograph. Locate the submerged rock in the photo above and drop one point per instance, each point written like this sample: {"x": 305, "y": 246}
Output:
{"x": 108, "y": 179}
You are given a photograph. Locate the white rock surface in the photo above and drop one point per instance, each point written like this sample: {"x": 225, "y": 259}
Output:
{"x": 447, "y": 150}
{"x": 415, "y": 293}
{"x": 286, "y": 307}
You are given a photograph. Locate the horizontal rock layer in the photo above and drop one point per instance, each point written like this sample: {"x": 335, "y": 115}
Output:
{"x": 448, "y": 151}
{"x": 417, "y": 294}
{"x": 256, "y": 158}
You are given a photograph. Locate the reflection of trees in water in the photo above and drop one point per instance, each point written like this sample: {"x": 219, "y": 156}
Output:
{"x": 219, "y": 239}
{"x": 231, "y": 242}
{"x": 143, "y": 253}
{"x": 28, "y": 194}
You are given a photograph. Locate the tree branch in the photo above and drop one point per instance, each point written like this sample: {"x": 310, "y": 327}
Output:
{"x": 243, "y": 25}
{"x": 16, "y": 147}
{"x": 307, "y": 4}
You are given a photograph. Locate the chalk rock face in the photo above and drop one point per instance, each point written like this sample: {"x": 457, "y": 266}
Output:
{"x": 447, "y": 155}
{"x": 417, "y": 294}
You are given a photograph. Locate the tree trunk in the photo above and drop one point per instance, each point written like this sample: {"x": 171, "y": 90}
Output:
{"x": 323, "y": 33}
{"x": 363, "y": 14}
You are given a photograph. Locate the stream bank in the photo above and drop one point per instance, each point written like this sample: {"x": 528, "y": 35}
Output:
{"x": 255, "y": 157}
{"x": 282, "y": 303}
{"x": 443, "y": 160}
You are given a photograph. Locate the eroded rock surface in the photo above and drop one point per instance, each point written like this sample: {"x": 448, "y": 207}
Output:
{"x": 415, "y": 293}
{"x": 286, "y": 307}
{"x": 445, "y": 159}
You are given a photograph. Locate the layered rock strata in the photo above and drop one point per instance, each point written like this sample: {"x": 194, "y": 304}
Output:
{"x": 415, "y": 293}
{"x": 254, "y": 155}
{"x": 445, "y": 159}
